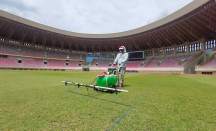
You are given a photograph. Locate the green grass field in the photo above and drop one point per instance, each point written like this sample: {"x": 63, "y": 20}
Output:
{"x": 38, "y": 100}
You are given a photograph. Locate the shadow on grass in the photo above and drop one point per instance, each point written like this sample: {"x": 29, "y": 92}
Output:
{"x": 93, "y": 97}
{"x": 125, "y": 86}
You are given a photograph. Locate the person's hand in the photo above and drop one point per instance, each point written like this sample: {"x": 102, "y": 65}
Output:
{"x": 114, "y": 63}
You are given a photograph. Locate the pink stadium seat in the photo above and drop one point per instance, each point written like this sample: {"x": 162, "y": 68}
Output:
{"x": 210, "y": 64}
{"x": 151, "y": 65}
{"x": 5, "y": 62}
{"x": 101, "y": 63}
{"x": 169, "y": 63}
{"x": 33, "y": 63}
{"x": 74, "y": 65}
{"x": 133, "y": 64}
{"x": 56, "y": 64}
{"x": 26, "y": 51}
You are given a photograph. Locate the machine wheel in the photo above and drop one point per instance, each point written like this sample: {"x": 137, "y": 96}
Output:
{"x": 113, "y": 86}
{"x": 96, "y": 88}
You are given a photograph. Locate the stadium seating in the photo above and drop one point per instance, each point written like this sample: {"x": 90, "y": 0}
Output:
{"x": 56, "y": 64}
{"x": 151, "y": 65}
{"x": 9, "y": 49}
{"x": 186, "y": 59}
{"x": 168, "y": 62}
{"x": 5, "y": 62}
{"x": 106, "y": 64}
{"x": 56, "y": 55}
{"x": 31, "y": 52}
{"x": 210, "y": 64}
{"x": 33, "y": 63}
{"x": 25, "y": 51}
{"x": 133, "y": 64}
{"x": 74, "y": 65}
{"x": 75, "y": 56}
{"x": 101, "y": 63}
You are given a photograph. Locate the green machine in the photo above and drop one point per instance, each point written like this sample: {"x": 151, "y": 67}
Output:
{"x": 107, "y": 79}
{"x": 105, "y": 82}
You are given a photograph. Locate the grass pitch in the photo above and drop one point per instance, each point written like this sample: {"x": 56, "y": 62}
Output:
{"x": 37, "y": 100}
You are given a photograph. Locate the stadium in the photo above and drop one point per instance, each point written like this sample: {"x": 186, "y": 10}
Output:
{"x": 175, "y": 75}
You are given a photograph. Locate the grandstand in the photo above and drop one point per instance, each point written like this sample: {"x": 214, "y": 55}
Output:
{"x": 176, "y": 43}
{"x": 208, "y": 67}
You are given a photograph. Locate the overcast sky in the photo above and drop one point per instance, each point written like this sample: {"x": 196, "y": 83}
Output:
{"x": 93, "y": 16}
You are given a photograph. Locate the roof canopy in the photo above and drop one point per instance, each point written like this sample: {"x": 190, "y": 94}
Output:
{"x": 195, "y": 21}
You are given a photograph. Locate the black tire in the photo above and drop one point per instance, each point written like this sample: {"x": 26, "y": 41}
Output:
{"x": 113, "y": 86}
{"x": 96, "y": 88}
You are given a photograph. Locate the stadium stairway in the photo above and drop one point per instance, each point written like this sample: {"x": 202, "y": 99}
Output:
{"x": 147, "y": 63}
{"x": 189, "y": 67}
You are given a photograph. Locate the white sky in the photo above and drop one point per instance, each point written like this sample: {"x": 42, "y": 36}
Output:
{"x": 93, "y": 16}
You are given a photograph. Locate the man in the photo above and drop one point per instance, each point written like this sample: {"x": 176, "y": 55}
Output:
{"x": 121, "y": 61}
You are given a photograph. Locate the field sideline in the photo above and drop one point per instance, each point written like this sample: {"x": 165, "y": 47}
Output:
{"x": 37, "y": 100}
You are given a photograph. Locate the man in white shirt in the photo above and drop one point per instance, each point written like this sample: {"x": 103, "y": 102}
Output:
{"x": 121, "y": 62}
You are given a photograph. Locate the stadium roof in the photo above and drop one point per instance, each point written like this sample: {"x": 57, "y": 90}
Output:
{"x": 193, "y": 22}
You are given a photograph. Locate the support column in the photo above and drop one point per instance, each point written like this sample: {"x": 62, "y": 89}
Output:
{"x": 93, "y": 55}
{"x": 188, "y": 48}
{"x": 175, "y": 50}
{"x": 107, "y": 56}
{"x": 6, "y": 41}
{"x": 53, "y": 49}
{"x": 21, "y": 43}
{"x": 203, "y": 41}
{"x": 163, "y": 52}
{"x": 114, "y": 55}
{"x": 101, "y": 55}
{"x": 85, "y": 56}
{"x": 153, "y": 52}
